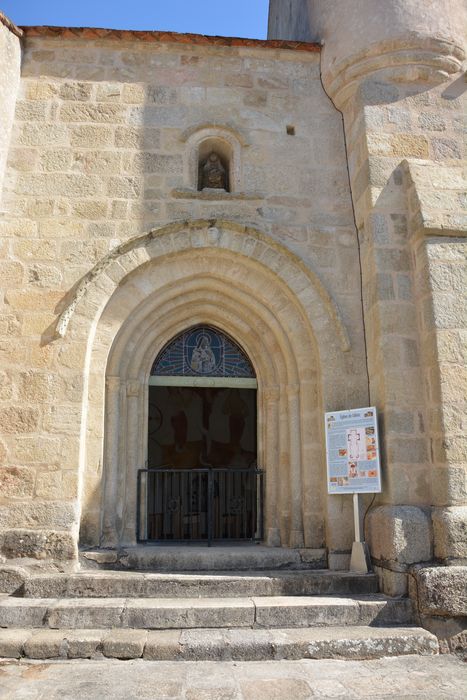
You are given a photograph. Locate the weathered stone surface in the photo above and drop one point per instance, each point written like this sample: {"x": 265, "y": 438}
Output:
{"x": 86, "y": 613}
{"x": 12, "y": 578}
{"x": 12, "y": 642}
{"x": 219, "y": 645}
{"x": 400, "y": 534}
{"x": 16, "y": 482}
{"x": 37, "y": 514}
{"x": 450, "y": 530}
{"x": 407, "y": 676}
{"x": 18, "y": 419}
{"x": 83, "y": 644}
{"x": 442, "y": 590}
{"x": 101, "y": 557}
{"x": 124, "y": 644}
{"x": 37, "y": 544}
{"x": 116, "y": 584}
{"x": 163, "y": 645}
{"x": 166, "y": 613}
{"x": 393, "y": 583}
{"x": 16, "y": 612}
{"x": 47, "y": 644}
{"x": 172, "y": 559}
{"x": 309, "y": 612}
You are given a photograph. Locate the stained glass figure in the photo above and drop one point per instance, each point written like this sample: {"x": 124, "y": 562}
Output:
{"x": 202, "y": 352}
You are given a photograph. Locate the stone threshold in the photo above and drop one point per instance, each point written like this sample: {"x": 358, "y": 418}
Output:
{"x": 196, "y": 558}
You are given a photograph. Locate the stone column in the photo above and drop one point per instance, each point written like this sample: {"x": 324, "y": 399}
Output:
{"x": 295, "y": 474}
{"x": 270, "y": 423}
{"x": 133, "y": 392}
{"x": 109, "y": 537}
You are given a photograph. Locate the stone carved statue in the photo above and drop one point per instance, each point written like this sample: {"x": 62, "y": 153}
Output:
{"x": 213, "y": 173}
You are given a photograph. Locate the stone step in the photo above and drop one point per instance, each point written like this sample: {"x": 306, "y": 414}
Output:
{"x": 113, "y": 584}
{"x": 196, "y": 558}
{"x": 185, "y": 613}
{"x": 218, "y": 644}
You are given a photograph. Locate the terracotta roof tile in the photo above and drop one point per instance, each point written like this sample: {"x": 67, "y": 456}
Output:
{"x": 164, "y": 37}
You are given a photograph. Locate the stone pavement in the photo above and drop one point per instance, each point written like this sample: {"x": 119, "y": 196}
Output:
{"x": 430, "y": 678}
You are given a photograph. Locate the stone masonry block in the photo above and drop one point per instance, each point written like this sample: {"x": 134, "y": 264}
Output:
{"x": 401, "y": 535}
{"x": 37, "y": 544}
{"x": 11, "y": 578}
{"x": 442, "y": 590}
{"x": 12, "y": 643}
{"x": 124, "y": 644}
{"x": 450, "y": 532}
{"x": 46, "y": 644}
{"x": 84, "y": 644}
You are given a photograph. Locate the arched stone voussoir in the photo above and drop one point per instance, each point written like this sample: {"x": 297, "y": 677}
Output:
{"x": 104, "y": 278}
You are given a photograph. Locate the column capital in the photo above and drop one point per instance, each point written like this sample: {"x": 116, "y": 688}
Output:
{"x": 112, "y": 383}
{"x": 133, "y": 387}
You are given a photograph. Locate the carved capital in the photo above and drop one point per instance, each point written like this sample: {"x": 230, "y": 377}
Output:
{"x": 133, "y": 387}
{"x": 271, "y": 393}
{"x": 112, "y": 383}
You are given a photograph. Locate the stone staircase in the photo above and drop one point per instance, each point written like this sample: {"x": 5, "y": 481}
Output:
{"x": 290, "y": 613}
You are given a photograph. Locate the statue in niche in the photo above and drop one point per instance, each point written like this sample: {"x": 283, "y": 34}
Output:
{"x": 213, "y": 174}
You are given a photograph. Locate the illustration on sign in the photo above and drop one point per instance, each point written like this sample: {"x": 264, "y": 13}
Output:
{"x": 352, "y": 451}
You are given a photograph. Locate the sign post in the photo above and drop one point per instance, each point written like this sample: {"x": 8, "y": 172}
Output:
{"x": 353, "y": 466}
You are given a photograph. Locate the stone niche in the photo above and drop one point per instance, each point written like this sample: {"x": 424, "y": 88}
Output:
{"x": 213, "y": 159}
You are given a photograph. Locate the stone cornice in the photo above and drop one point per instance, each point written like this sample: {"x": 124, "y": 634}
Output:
{"x": 92, "y": 34}
{"x": 9, "y": 25}
{"x": 414, "y": 58}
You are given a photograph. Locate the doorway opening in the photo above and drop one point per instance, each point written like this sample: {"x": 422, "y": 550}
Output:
{"x": 202, "y": 482}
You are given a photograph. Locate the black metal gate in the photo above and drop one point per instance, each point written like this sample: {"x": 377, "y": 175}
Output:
{"x": 205, "y": 505}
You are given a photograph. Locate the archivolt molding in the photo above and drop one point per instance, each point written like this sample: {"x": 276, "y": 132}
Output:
{"x": 146, "y": 311}
{"x": 100, "y": 283}
{"x": 225, "y": 130}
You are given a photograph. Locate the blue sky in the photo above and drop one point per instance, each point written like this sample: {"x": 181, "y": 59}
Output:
{"x": 245, "y": 18}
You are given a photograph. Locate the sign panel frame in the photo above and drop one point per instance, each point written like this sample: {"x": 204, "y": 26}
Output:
{"x": 352, "y": 451}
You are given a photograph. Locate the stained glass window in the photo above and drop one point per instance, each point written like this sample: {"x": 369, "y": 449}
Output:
{"x": 202, "y": 352}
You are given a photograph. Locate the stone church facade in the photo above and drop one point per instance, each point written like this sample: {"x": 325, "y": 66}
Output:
{"x": 326, "y": 237}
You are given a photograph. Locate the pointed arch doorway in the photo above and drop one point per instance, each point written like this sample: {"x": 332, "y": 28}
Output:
{"x": 202, "y": 482}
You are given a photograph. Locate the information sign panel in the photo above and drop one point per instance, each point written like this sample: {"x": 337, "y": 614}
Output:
{"x": 352, "y": 451}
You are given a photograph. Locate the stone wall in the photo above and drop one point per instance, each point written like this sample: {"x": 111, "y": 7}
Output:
{"x": 102, "y": 153}
{"x": 401, "y": 89}
{"x": 10, "y": 57}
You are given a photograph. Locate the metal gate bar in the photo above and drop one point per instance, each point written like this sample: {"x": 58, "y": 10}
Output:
{"x": 200, "y": 505}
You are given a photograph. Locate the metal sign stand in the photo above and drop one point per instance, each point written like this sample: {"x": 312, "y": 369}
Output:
{"x": 360, "y": 559}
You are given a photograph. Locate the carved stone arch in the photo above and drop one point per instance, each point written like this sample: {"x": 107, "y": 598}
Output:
{"x": 234, "y": 277}
{"x": 100, "y": 282}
